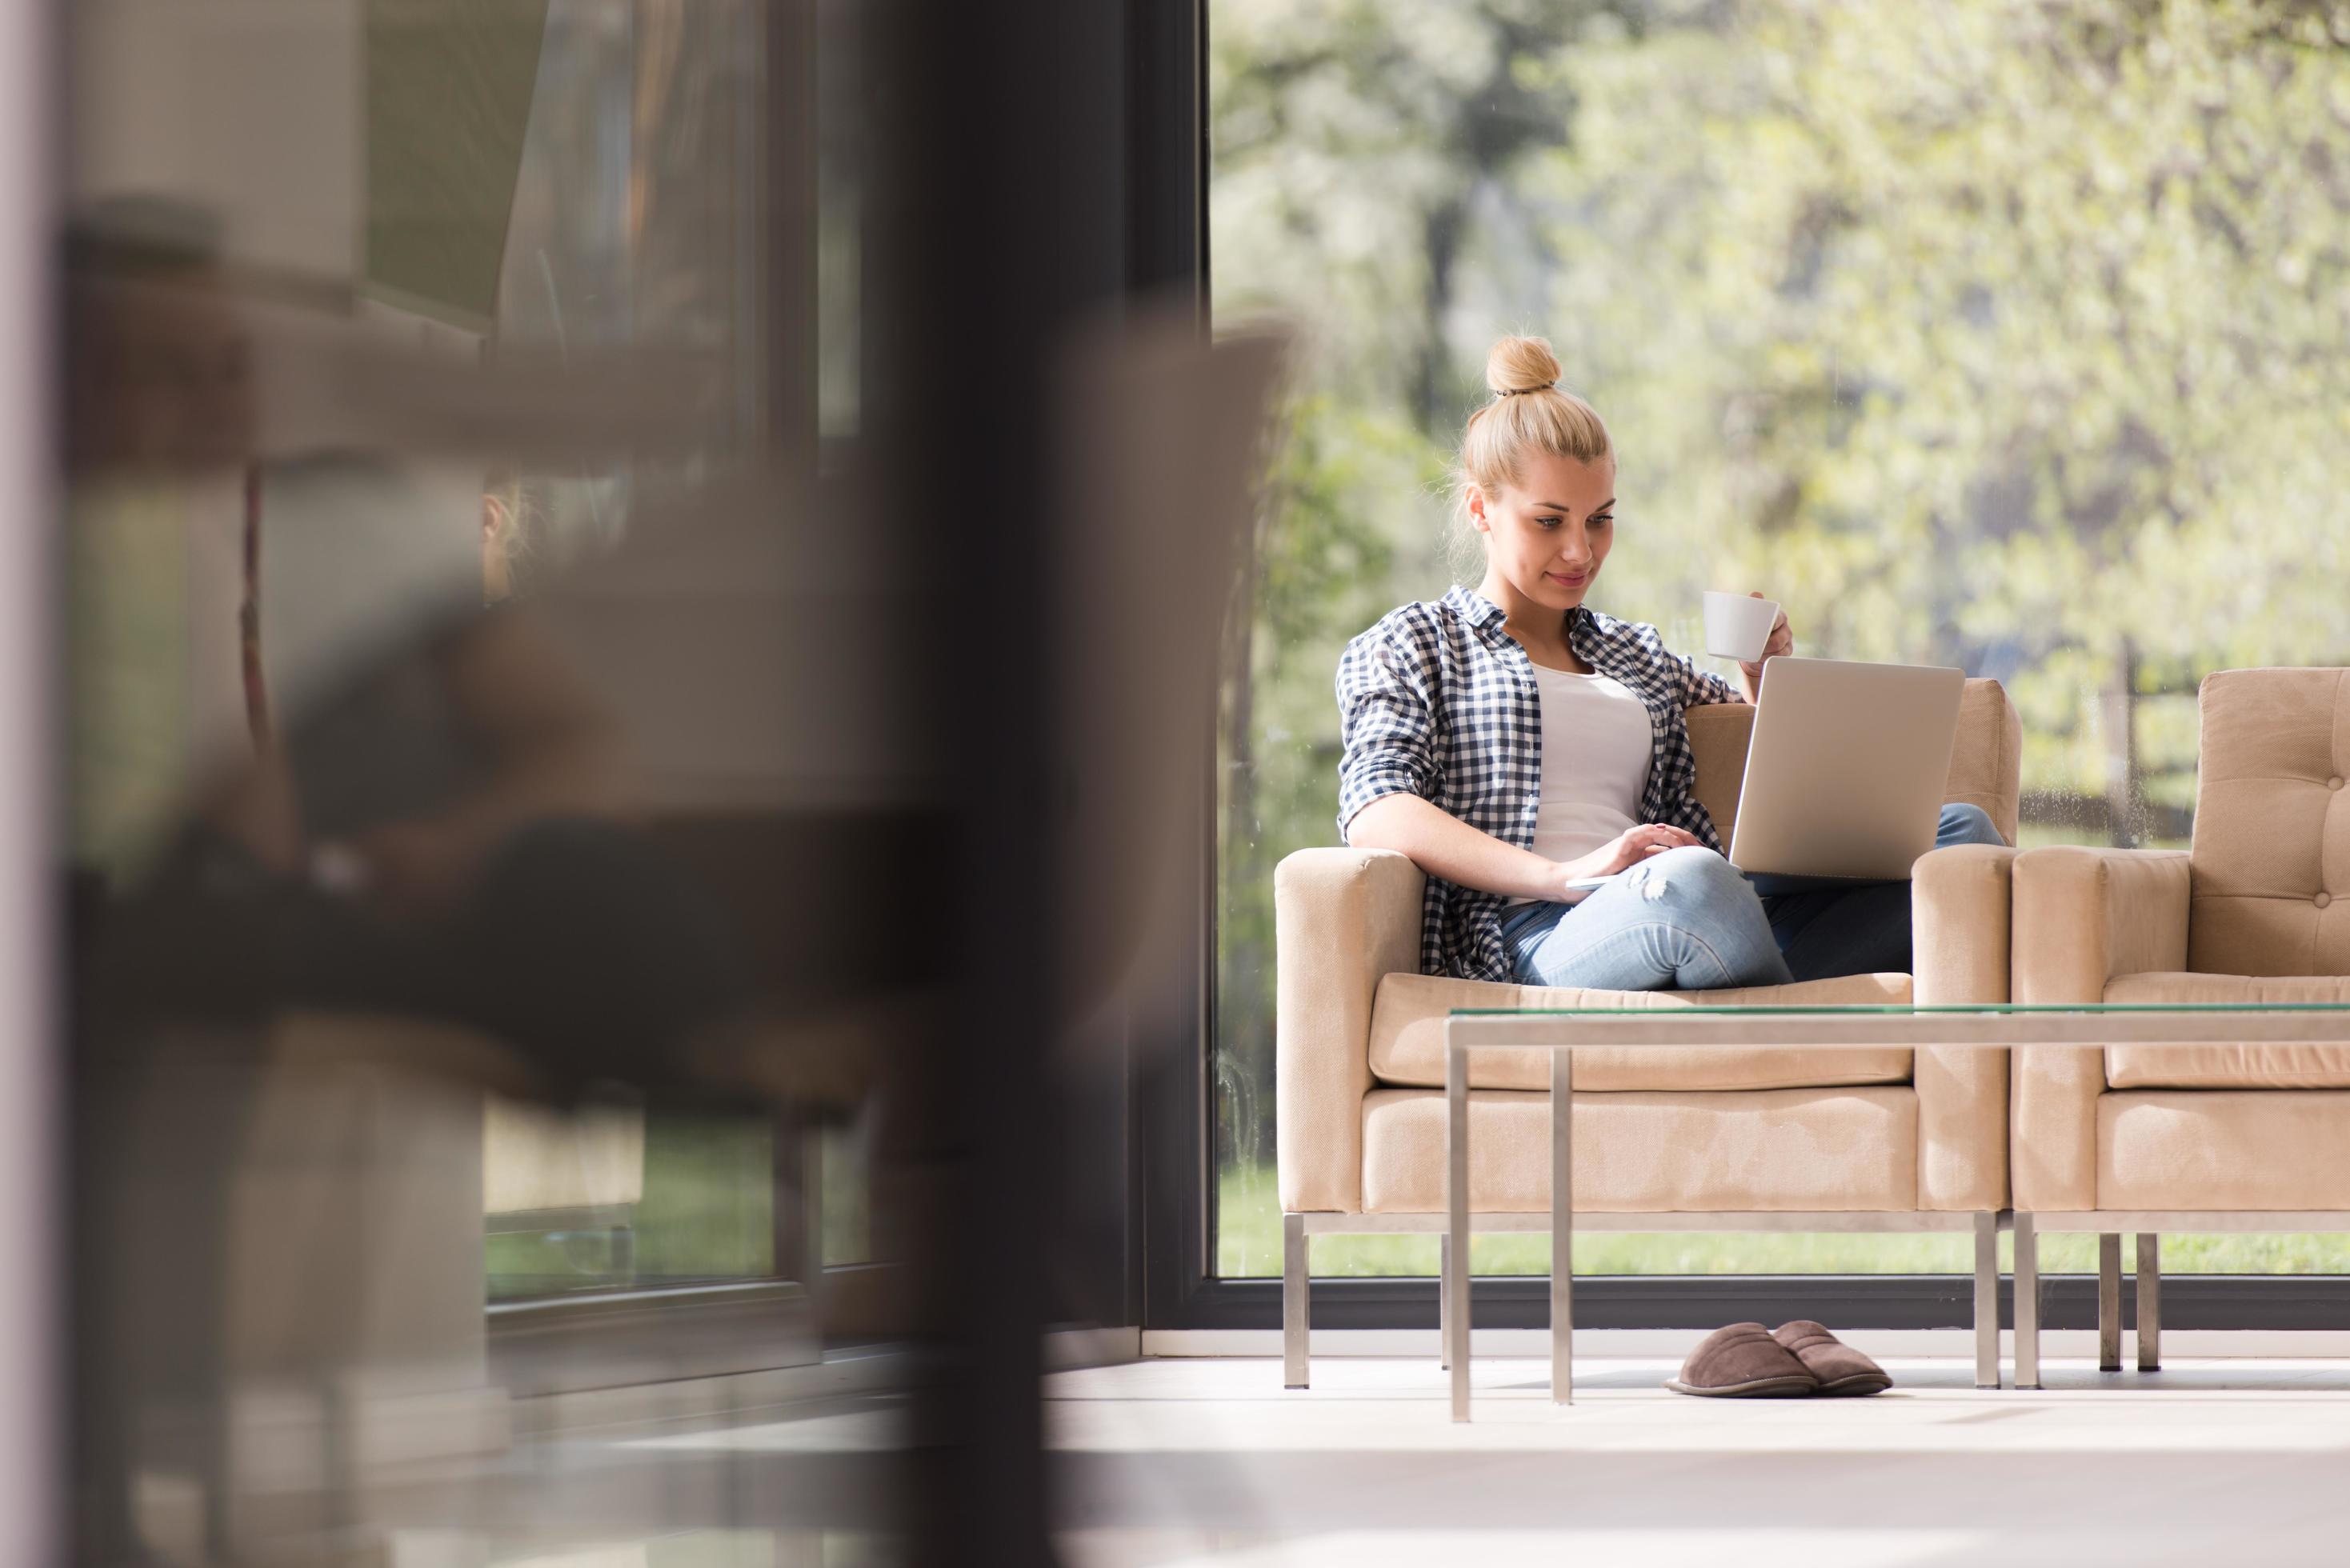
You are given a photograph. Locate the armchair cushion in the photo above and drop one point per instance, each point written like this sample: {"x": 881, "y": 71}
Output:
{"x": 1408, "y": 1038}
{"x": 1781, "y": 1149}
{"x": 2227, "y": 1066}
{"x": 2272, "y": 853}
{"x": 2222, "y": 1148}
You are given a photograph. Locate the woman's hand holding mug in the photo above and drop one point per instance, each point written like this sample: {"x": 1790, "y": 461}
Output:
{"x": 1781, "y": 640}
{"x": 1735, "y": 628}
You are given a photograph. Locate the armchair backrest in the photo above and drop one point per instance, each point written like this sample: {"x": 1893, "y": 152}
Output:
{"x": 2270, "y": 869}
{"x": 1986, "y": 760}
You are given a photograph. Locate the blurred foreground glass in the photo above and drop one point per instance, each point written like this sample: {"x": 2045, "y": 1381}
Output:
{"x": 470, "y": 817}
{"x": 1990, "y": 335}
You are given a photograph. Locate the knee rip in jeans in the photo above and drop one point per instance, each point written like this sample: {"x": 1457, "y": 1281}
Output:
{"x": 1650, "y": 882}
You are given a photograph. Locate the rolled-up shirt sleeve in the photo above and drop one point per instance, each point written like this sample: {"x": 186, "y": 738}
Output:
{"x": 1699, "y": 687}
{"x": 1387, "y": 725}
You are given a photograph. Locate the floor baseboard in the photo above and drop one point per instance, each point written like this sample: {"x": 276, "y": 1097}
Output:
{"x": 2262, "y": 1344}
{"x": 1068, "y": 1349}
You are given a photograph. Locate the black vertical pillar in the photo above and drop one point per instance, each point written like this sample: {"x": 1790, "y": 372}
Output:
{"x": 999, "y": 220}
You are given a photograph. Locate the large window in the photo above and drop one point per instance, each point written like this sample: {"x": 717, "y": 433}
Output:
{"x": 1998, "y": 334}
{"x": 633, "y": 225}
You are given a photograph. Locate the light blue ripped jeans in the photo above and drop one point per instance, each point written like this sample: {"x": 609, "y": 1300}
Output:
{"x": 1687, "y": 919}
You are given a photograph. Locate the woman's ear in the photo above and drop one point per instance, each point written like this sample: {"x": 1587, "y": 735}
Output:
{"x": 1475, "y": 494}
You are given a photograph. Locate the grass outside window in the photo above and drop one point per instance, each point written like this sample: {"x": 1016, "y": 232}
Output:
{"x": 1248, "y": 1235}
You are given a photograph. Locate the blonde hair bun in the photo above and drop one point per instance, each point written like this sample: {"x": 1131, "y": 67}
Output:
{"x": 1530, "y": 413}
{"x": 1521, "y": 364}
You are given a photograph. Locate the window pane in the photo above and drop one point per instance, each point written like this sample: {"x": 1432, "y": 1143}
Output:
{"x": 2001, "y": 335}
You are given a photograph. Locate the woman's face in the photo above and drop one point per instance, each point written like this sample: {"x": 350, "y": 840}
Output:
{"x": 1548, "y": 536}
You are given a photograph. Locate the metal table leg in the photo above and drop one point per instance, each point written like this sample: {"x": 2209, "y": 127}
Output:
{"x": 1296, "y": 1301}
{"x": 2027, "y": 1304}
{"x": 1444, "y": 1302}
{"x": 2149, "y": 1303}
{"x": 1987, "y": 1300}
{"x": 2109, "y": 1302}
{"x": 1562, "y": 1228}
{"x": 1456, "y": 1203}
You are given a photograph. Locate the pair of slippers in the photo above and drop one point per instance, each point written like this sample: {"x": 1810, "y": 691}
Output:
{"x": 1796, "y": 1361}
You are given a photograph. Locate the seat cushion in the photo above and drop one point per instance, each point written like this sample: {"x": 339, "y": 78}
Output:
{"x": 1780, "y": 1149}
{"x": 1408, "y": 1038}
{"x": 2221, "y": 1149}
{"x": 2227, "y": 1066}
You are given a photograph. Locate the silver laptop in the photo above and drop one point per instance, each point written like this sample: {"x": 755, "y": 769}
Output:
{"x": 1845, "y": 772}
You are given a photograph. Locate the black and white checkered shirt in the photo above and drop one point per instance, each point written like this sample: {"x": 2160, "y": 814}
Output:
{"x": 1439, "y": 702}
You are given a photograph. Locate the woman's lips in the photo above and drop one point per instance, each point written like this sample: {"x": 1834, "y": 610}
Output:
{"x": 1569, "y": 579}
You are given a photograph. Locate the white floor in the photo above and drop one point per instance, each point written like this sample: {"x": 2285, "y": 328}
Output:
{"x": 1212, "y": 1461}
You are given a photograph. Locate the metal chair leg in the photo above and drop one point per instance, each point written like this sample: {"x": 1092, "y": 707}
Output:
{"x": 1296, "y": 1309}
{"x": 1443, "y": 1313}
{"x": 1987, "y": 1301}
{"x": 2149, "y": 1303}
{"x": 2109, "y": 1302}
{"x": 2027, "y": 1304}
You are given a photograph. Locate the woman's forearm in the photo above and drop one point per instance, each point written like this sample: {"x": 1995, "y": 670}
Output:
{"x": 1441, "y": 845}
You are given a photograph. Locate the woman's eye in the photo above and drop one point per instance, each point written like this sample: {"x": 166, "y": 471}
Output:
{"x": 1548, "y": 522}
{"x": 1603, "y": 522}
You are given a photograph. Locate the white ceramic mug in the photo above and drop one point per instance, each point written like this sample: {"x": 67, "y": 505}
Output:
{"x": 1736, "y": 626}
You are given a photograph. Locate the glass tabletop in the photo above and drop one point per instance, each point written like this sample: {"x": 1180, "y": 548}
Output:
{"x": 1849, "y": 1009}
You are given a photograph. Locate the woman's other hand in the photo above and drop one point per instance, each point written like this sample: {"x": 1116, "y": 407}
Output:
{"x": 1628, "y": 849}
{"x": 1782, "y": 641}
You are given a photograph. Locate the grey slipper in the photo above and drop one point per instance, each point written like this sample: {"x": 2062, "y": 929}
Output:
{"x": 1744, "y": 1362}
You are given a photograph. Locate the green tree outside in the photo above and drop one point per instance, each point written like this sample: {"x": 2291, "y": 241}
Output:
{"x": 1986, "y": 332}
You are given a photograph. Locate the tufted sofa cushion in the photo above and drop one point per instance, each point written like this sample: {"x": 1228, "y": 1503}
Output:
{"x": 2270, "y": 866}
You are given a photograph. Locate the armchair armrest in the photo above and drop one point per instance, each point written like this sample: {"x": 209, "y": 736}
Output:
{"x": 2082, "y": 917}
{"x": 1960, "y": 918}
{"x": 1342, "y": 919}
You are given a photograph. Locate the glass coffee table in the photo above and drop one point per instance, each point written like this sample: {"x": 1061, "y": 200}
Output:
{"x": 1979, "y": 1026}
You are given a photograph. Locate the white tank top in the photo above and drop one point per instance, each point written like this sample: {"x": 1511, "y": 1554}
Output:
{"x": 1597, "y": 744}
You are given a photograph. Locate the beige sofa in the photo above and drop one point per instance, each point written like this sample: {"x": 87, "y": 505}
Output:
{"x": 2195, "y": 1138}
{"x": 1787, "y": 1140}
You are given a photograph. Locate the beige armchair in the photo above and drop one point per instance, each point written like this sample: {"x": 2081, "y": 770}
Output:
{"x": 2144, "y": 1139}
{"x": 1718, "y": 1140}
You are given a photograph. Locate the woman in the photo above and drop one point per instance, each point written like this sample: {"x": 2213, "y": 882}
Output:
{"x": 1515, "y": 742}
